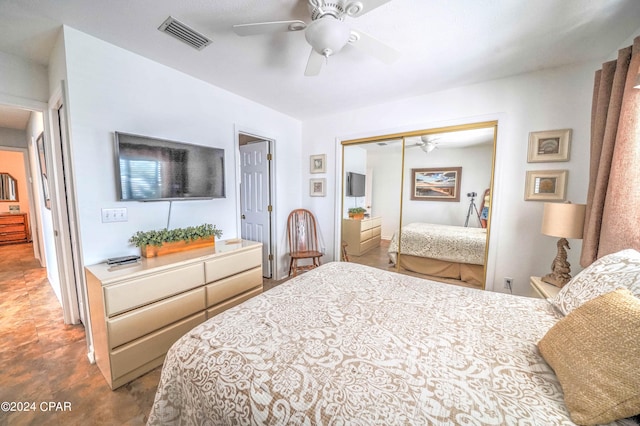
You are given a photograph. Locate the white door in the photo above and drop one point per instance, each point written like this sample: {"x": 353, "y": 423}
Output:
{"x": 255, "y": 198}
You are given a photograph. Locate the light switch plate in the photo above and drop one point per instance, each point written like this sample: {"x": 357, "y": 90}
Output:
{"x": 114, "y": 215}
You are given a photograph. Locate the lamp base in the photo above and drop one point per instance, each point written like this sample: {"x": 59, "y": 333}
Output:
{"x": 560, "y": 268}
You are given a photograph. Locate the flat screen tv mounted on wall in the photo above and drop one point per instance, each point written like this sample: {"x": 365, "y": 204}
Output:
{"x": 151, "y": 169}
{"x": 355, "y": 184}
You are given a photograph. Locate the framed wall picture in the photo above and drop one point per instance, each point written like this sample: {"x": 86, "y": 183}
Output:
{"x": 318, "y": 163}
{"x": 550, "y": 145}
{"x": 441, "y": 184}
{"x": 43, "y": 170}
{"x": 546, "y": 185}
{"x": 317, "y": 187}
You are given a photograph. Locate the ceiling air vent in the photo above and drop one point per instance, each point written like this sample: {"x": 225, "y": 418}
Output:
{"x": 177, "y": 29}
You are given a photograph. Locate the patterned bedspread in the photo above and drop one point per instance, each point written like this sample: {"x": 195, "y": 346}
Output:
{"x": 442, "y": 242}
{"x": 349, "y": 344}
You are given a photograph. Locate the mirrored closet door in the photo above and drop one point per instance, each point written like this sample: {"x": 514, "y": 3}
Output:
{"x": 436, "y": 186}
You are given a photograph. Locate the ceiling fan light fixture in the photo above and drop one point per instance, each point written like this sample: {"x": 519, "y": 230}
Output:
{"x": 428, "y": 147}
{"x": 327, "y": 35}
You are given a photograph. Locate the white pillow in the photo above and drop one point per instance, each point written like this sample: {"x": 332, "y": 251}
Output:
{"x": 616, "y": 270}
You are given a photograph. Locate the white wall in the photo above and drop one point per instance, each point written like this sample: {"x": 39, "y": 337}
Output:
{"x": 23, "y": 79}
{"x": 545, "y": 100}
{"x": 111, "y": 89}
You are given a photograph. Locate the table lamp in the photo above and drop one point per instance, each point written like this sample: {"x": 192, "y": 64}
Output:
{"x": 562, "y": 220}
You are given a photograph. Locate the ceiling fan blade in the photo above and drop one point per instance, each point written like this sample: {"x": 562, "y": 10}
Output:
{"x": 268, "y": 27}
{"x": 358, "y": 8}
{"x": 373, "y": 47}
{"x": 314, "y": 64}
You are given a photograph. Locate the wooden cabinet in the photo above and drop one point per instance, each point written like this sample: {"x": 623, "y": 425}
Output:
{"x": 138, "y": 311}
{"x": 14, "y": 228}
{"x": 361, "y": 235}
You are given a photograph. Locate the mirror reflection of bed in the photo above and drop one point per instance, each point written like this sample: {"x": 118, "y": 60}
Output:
{"x": 445, "y": 233}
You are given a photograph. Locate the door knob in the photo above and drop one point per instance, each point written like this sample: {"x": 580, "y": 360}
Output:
{"x": 243, "y": 217}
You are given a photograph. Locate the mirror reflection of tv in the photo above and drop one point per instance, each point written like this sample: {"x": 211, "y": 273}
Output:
{"x": 151, "y": 169}
{"x": 355, "y": 184}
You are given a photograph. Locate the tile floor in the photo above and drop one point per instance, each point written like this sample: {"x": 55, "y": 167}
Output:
{"x": 42, "y": 360}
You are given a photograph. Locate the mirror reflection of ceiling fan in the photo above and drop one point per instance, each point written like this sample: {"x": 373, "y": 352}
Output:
{"x": 328, "y": 32}
{"x": 426, "y": 143}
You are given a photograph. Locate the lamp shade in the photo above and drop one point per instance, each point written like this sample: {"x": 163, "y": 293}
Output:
{"x": 563, "y": 220}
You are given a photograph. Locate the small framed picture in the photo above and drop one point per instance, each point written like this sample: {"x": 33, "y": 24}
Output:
{"x": 546, "y": 185}
{"x": 318, "y": 163}
{"x": 550, "y": 145}
{"x": 317, "y": 187}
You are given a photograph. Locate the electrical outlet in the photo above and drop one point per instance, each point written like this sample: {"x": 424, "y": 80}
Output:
{"x": 508, "y": 282}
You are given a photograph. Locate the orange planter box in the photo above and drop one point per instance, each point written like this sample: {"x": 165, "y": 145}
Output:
{"x": 178, "y": 246}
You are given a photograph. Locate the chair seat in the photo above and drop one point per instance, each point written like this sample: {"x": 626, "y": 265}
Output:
{"x": 306, "y": 254}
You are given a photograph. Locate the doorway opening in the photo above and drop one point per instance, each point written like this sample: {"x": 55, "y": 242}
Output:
{"x": 256, "y": 195}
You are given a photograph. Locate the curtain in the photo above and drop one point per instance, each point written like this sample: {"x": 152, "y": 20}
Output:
{"x": 612, "y": 221}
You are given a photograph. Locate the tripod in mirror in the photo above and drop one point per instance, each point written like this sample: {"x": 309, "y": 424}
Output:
{"x": 472, "y": 208}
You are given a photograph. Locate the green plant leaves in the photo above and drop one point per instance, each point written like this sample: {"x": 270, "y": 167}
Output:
{"x": 160, "y": 236}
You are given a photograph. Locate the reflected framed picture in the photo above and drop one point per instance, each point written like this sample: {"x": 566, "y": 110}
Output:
{"x": 43, "y": 170}
{"x": 318, "y": 163}
{"x": 550, "y": 145}
{"x": 317, "y": 187}
{"x": 546, "y": 185}
{"x": 442, "y": 184}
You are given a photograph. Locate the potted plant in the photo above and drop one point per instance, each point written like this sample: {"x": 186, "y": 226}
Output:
{"x": 164, "y": 241}
{"x": 357, "y": 213}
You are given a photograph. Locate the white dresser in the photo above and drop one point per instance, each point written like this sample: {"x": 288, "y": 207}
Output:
{"x": 361, "y": 235}
{"x": 138, "y": 311}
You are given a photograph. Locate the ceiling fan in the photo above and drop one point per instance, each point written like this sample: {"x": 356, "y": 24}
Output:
{"x": 328, "y": 33}
{"x": 426, "y": 144}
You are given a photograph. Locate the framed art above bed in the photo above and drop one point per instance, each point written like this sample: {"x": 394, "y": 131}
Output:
{"x": 436, "y": 184}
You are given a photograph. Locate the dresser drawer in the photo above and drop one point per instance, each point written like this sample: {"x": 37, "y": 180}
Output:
{"x": 229, "y": 287}
{"x": 225, "y": 266}
{"x": 150, "y": 347}
{"x": 131, "y": 325}
{"x": 128, "y": 295}
{"x": 366, "y": 235}
{"x": 10, "y": 219}
{"x": 9, "y": 228}
{"x": 12, "y": 236}
{"x": 369, "y": 244}
{"x": 376, "y": 221}
{"x": 211, "y": 312}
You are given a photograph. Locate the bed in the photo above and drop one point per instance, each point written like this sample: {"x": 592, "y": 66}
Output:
{"x": 350, "y": 344}
{"x": 445, "y": 251}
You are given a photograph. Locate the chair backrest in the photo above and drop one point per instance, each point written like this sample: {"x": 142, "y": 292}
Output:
{"x": 301, "y": 231}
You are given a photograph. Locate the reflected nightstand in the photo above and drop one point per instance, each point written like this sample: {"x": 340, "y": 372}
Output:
{"x": 544, "y": 290}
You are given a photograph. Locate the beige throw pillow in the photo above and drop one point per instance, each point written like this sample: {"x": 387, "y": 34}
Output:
{"x": 595, "y": 353}
{"x": 616, "y": 270}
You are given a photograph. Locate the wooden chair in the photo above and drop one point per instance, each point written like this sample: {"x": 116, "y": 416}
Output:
{"x": 345, "y": 255}
{"x": 303, "y": 240}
